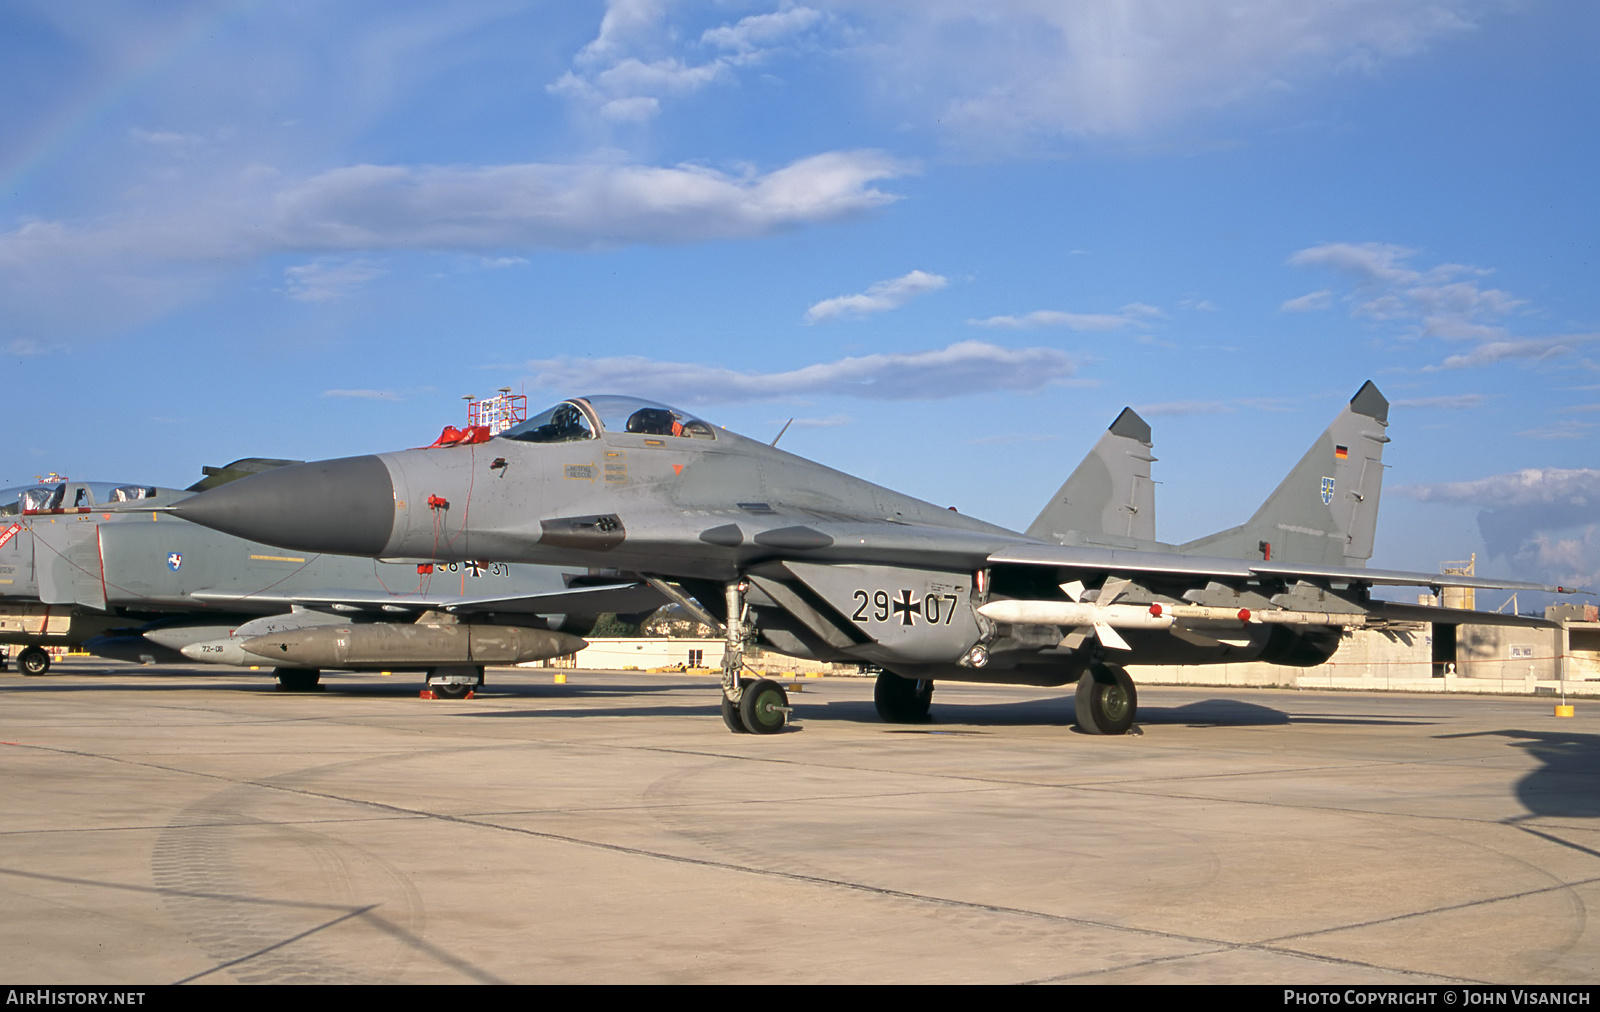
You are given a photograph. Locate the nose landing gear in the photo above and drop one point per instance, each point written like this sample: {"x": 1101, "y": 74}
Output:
{"x": 760, "y": 706}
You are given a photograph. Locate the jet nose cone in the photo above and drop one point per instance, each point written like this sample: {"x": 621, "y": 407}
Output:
{"x": 343, "y": 506}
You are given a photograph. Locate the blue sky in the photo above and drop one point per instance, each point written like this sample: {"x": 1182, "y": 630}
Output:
{"x": 951, "y": 240}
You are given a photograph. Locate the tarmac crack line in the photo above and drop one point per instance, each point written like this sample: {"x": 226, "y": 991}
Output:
{"x": 1266, "y": 945}
{"x": 1214, "y": 944}
{"x": 1446, "y": 908}
{"x": 1336, "y": 960}
{"x": 165, "y": 891}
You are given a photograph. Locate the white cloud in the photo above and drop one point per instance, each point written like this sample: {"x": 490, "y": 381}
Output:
{"x": 1010, "y": 71}
{"x": 878, "y": 298}
{"x": 326, "y": 280}
{"x": 573, "y": 206}
{"x": 1434, "y": 302}
{"x": 1371, "y": 262}
{"x": 1543, "y": 520}
{"x": 967, "y": 367}
{"x": 1309, "y": 303}
{"x": 117, "y": 270}
{"x": 1528, "y": 349}
{"x": 1565, "y": 429}
{"x": 631, "y": 64}
{"x": 1534, "y": 486}
{"x": 763, "y": 30}
{"x": 1133, "y": 313}
{"x": 1447, "y": 301}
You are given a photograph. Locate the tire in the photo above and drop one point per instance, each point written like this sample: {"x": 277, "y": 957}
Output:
{"x": 33, "y": 661}
{"x": 730, "y": 716}
{"x": 297, "y": 679}
{"x": 764, "y": 706}
{"x": 453, "y": 690}
{"x": 902, "y": 700}
{"x": 1107, "y": 702}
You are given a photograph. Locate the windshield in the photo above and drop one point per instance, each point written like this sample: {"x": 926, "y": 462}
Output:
{"x": 563, "y": 423}
{"x": 56, "y": 495}
{"x": 574, "y": 420}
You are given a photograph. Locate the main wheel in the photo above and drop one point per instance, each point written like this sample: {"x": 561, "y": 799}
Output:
{"x": 730, "y": 716}
{"x": 33, "y": 661}
{"x": 297, "y": 679}
{"x": 454, "y": 690}
{"x": 902, "y": 700}
{"x": 764, "y": 706}
{"x": 1107, "y": 700}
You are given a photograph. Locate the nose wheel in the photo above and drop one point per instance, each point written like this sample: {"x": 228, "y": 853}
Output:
{"x": 748, "y": 707}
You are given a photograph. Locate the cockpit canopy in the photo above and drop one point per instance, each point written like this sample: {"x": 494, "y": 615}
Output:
{"x": 68, "y": 495}
{"x": 585, "y": 417}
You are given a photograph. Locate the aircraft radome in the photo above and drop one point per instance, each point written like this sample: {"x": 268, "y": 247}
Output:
{"x": 816, "y": 563}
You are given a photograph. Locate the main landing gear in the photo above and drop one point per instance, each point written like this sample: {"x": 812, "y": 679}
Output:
{"x": 1107, "y": 701}
{"x": 455, "y": 681}
{"x": 297, "y": 679}
{"x": 902, "y": 700}
{"x": 33, "y": 661}
{"x": 758, "y": 706}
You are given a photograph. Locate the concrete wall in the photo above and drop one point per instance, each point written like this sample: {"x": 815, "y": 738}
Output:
{"x": 1497, "y": 659}
{"x": 644, "y": 654}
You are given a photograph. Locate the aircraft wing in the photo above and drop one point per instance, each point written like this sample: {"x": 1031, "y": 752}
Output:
{"x": 1394, "y": 611}
{"x": 617, "y": 598}
{"x": 1163, "y": 564}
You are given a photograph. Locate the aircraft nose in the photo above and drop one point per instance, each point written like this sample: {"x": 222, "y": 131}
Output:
{"x": 343, "y": 506}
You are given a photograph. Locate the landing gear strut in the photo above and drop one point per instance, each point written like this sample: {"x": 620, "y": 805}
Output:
{"x": 902, "y": 700}
{"x": 1107, "y": 700}
{"x": 748, "y": 707}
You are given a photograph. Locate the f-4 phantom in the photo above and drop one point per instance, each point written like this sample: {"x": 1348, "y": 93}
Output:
{"x": 812, "y": 562}
{"x": 104, "y": 566}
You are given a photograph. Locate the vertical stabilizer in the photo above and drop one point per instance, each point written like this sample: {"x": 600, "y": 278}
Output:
{"x": 1326, "y": 510}
{"x": 1109, "y": 499}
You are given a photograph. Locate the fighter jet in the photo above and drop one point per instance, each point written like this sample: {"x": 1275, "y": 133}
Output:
{"x": 812, "y": 562}
{"x": 85, "y": 563}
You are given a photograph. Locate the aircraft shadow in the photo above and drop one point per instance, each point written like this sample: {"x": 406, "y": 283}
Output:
{"x": 157, "y": 679}
{"x": 1565, "y": 785}
{"x": 1061, "y": 711}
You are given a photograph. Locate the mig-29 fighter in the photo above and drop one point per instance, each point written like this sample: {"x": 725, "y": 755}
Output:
{"x": 816, "y": 563}
{"x": 105, "y": 567}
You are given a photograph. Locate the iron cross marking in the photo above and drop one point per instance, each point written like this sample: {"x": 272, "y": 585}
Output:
{"x": 907, "y": 607}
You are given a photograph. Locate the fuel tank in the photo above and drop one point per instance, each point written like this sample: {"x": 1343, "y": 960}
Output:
{"x": 398, "y": 646}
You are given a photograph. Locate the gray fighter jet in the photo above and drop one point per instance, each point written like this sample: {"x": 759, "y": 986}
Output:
{"x": 816, "y": 563}
{"x": 85, "y": 563}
